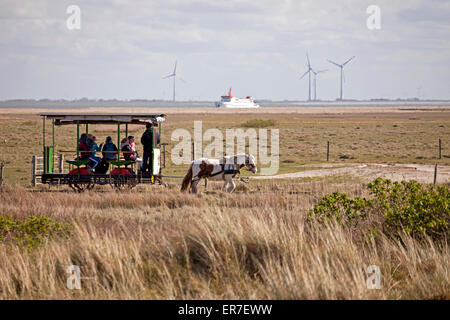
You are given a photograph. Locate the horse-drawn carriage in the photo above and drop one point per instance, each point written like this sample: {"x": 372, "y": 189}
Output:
{"x": 124, "y": 172}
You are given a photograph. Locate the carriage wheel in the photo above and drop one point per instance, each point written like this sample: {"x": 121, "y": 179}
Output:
{"x": 122, "y": 184}
{"x": 81, "y": 187}
{"x": 132, "y": 184}
{"x": 119, "y": 184}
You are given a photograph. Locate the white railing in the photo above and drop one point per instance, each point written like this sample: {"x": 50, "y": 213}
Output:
{"x": 38, "y": 168}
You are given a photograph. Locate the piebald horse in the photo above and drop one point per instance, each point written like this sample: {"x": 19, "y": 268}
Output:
{"x": 225, "y": 169}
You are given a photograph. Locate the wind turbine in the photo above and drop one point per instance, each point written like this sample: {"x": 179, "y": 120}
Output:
{"x": 173, "y": 75}
{"x": 418, "y": 92}
{"x": 315, "y": 81}
{"x": 342, "y": 70}
{"x": 308, "y": 64}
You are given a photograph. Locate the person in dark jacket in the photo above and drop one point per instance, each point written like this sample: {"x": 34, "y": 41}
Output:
{"x": 83, "y": 147}
{"x": 109, "y": 150}
{"x": 148, "y": 143}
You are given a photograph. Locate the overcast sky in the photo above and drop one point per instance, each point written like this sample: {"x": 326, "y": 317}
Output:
{"x": 258, "y": 47}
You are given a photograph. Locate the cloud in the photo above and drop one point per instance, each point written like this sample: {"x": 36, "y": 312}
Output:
{"x": 125, "y": 47}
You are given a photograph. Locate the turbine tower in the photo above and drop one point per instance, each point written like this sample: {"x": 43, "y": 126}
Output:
{"x": 173, "y": 75}
{"x": 342, "y": 70}
{"x": 315, "y": 81}
{"x": 308, "y": 64}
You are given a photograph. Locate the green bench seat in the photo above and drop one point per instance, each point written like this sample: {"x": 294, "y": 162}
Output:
{"x": 78, "y": 163}
{"x": 121, "y": 163}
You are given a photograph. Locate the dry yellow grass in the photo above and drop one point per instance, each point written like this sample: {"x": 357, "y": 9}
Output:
{"x": 157, "y": 243}
{"x": 254, "y": 244}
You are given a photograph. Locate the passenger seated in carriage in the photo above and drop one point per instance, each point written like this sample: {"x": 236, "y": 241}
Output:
{"x": 109, "y": 150}
{"x": 83, "y": 147}
{"x": 127, "y": 151}
{"x": 93, "y": 147}
{"x": 135, "y": 155}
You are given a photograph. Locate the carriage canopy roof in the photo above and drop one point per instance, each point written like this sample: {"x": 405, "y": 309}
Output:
{"x": 83, "y": 118}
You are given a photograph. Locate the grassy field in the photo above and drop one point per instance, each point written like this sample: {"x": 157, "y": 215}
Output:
{"x": 384, "y": 137}
{"x": 158, "y": 243}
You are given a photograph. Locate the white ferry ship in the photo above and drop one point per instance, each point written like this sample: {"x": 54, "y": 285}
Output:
{"x": 232, "y": 102}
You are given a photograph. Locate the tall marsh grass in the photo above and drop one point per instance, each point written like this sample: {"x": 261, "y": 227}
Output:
{"x": 254, "y": 244}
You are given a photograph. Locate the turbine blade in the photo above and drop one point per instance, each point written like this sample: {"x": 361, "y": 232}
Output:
{"x": 309, "y": 63}
{"x": 175, "y": 69}
{"x": 304, "y": 74}
{"x": 182, "y": 80}
{"x": 348, "y": 61}
{"x": 170, "y": 75}
{"x": 321, "y": 71}
{"x": 334, "y": 63}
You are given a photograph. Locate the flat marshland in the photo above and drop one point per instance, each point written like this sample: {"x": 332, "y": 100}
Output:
{"x": 356, "y": 135}
{"x": 256, "y": 243}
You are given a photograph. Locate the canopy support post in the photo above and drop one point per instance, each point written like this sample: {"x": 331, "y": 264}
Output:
{"x": 78, "y": 138}
{"x": 78, "y": 149}
{"x": 43, "y": 136}
{"x": 118, "y": 147}
{"x": 43, "y": 145}
{"x": 53, "y": 143}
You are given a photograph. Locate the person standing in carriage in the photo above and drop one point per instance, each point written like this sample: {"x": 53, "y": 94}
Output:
{"x": 148, "y": 143}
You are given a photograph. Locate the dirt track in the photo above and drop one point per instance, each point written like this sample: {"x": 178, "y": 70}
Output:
{"x": 397, "y": 172}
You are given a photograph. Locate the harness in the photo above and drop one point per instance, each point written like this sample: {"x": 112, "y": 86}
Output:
{"x": 225, "y": 169}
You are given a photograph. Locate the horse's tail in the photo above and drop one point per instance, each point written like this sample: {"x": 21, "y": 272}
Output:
{"x": 187, "y": 179}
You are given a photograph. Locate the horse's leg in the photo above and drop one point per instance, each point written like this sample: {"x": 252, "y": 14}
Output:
{"x": 228, "y": 182}
{"x": 224, "y": 187}
{"x": 232, "y": 186}
{"x": 194, "y": 186}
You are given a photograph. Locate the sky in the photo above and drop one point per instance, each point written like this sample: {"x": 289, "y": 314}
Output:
{"x": 123, "y": 49}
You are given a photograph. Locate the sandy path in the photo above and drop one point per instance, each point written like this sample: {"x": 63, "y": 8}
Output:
{"x": 397, "y": 172}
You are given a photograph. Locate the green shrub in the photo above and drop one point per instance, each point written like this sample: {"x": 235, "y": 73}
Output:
{"x": 412, "y": 207}
{"x": 339, "y": 207}
{"x": 394, "y": 207}
{"x": 259, "y": 123}
{"x": 32, "y": 232}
